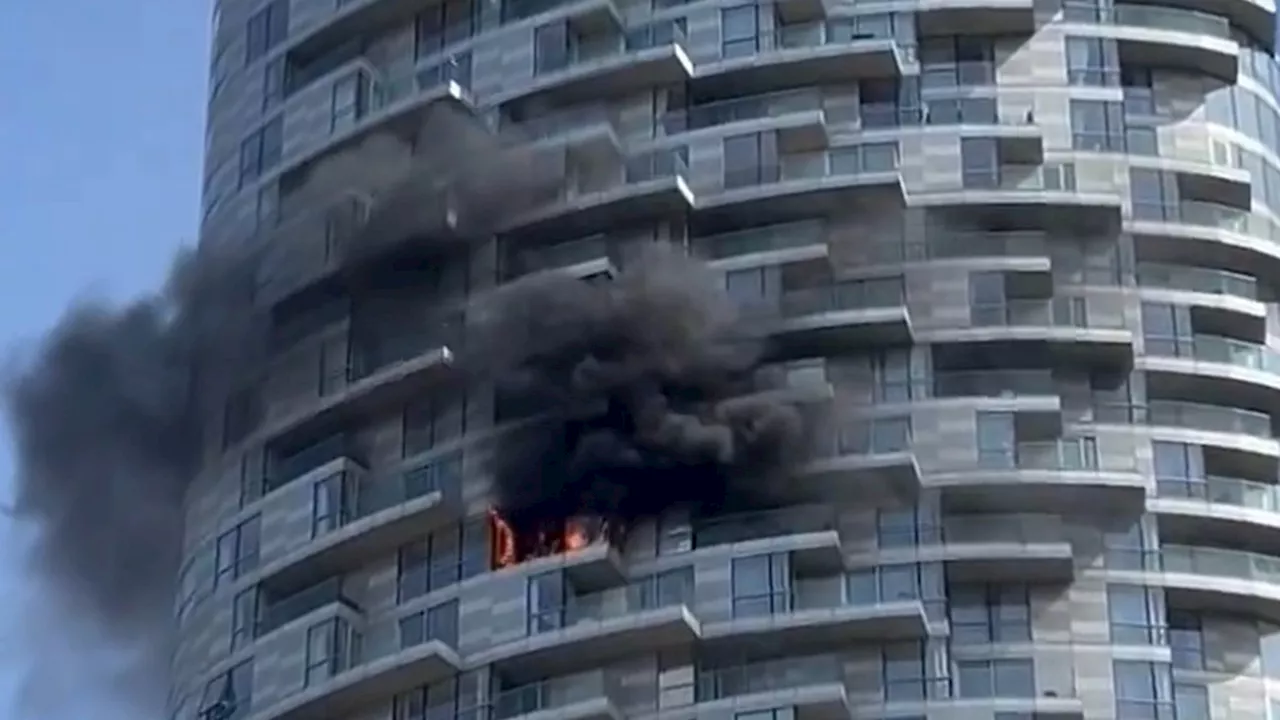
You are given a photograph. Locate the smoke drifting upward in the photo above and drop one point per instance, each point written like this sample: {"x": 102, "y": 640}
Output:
{"x": 641, "y": 395}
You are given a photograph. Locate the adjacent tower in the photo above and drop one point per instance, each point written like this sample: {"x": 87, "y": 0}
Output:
{"x": 1026, "y": 255}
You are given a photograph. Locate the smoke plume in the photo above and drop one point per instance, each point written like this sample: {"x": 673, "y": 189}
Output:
{"x": 640, "y": 395}
{"x": 112, "y": 412}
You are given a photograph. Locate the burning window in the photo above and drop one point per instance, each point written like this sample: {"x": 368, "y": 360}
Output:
{"x": 507, "y": 548}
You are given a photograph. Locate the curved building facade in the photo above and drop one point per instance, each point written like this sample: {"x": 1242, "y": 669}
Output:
{"x": 1026, "y": 253}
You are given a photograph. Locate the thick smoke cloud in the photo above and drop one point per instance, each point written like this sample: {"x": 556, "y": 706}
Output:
{"x": 642, "y": 394}
{"x": 111, "y": 412}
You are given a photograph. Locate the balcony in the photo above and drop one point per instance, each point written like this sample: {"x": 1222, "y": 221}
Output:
{"x": 589, "y": 133}
{"x": 809, "y": 535}
{"x": 640, "y": 187}
{"x": 1247, "y": 430}
{"x": 813, "y": 622}
{"x": 1025, "y": 548}
{"x": 1032, "y": 395}
{"x": 1221, "y": 370}
{"x": 1150, "y": 35}
{"x": 813, "y": 686}
{"x": 611, "y": 63}
{"x": 1208, "y": 235}
{"x": 1028, "y": 194}
{"x": 379, "y": 665}
{"x": 1217, "y": 580}
{"x": 353, "y": 521}
{"x": 1044, "y": 477}
{"x": 958, "y": 17}
{"x": 806, "y": 184}
{"x": 1067, "y": 328}
{"x": 1220, "y": 300}
{"x": 1024, "y": 252}
{"x": 587, "y": 696}
{"x": 796, "y": 116}
{"x": 828, "y": 319}
{"x": 285, "y": 610}
{"x": 1219, "y": 509}
{"x": 585, "y": 258}
{"x": 777, "y": 244}
{"x": 592, "y": 629}
{"x": 868, "y": 461}
{"x": 825, "y": 53}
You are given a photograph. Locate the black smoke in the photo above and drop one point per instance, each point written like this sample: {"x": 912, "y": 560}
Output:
{"x": 114, "y": 412}
{"x": 637, "y": 396}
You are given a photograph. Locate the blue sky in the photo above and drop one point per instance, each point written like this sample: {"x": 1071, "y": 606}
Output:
{"x": 101, "y": 131}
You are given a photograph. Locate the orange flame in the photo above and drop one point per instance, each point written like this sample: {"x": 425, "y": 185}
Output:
{"x": 576, "y": 534}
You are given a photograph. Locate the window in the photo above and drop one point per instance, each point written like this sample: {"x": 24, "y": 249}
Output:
{"x": 996, "y": 678}
{"x": 240, "y": 415}
{"x": 786, "y": 713}
{"x": 875, "y": 436}
{"x": 664, "y": 589}
{"x": 1092, "y": 62}
{"x": 237, "y": 551}
{"x": 957, "y": 61}
{"x": 1154, "y": 194}
{"x": 674, "y": 533}
{"x": 979, "y": 163}
{"x": 1143, "y": 690}
{"x": 990, "y": 614}
{"x": 1136, "y": 615}
{"x": 350, "y": 101}
{"x": 912, "y": 672}
{"x": 750, "y": 159}
{"x": 954, "y": 111}
{"x": 267, "y": 28}
{"x": 751, "y": 285}
{"x": 1269, "y": 650}
{"x": 997, "y": 443}
{"x": 898, "y": 583}
{"x": 442, "y": 558}
{"x": 329, "y": 650}
{"x": 245, "y": 617}
{"x": 457, "y": 698}
{"x": 261, "y": 151}
{"x": 1191, "y": 702}
{"x": 907, "y": 528}
{"x": 740, "y": 31}
{"x": 551, "y": 47}
{"x": 1142, "y": 140}
{"x": 1126, "y": 549}
{"x": 432, "y": 421}
{"x": 1186, "y": 640}
{"x": 451, "y": 22}
{"x": 1097, "y": 126}
{"x": 195, "y": 581}
{"x": 1139, "y": 90}
{"x": 865, "y": 158}
{"x": 435, "y": 623}
{"x": 273, "y": 84}
{"x": 988, "y": 304}
{"x": 891, "y": 376}
{"x": 1167, "y": 330}
{"x": 761, "y": 585}
{"x": 333, "y": 502}
{"x": 229, "y": 696}
{"x": 1087, "y": 11}
{"x": 889, "y": 103}
{"x": 548, "y": 602}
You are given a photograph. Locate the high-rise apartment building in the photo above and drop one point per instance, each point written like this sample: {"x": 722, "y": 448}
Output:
{"x": 1025, "y": 253}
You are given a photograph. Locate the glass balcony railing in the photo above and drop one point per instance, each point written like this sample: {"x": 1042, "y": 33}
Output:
{"x": 593, "y": 49}
{"x": 1175, "y": 19}
{"x": 553, "y": 694}
{"x": 1214, "y": 418}
{"x": 294, "y": 606}
{"x": 564, "y": 122}
{"x": 738, "y": 109}
{"x": 1215, "y": 349}
{"x": 993, "y": 383}
{"x": 877, "y": 436}
{"x": 339, "y": 500}
{"x": 758, "y": 240}
{"x": 1021, "y": 529}
{"x": 767, "y": 676}
{"x": 850, "y": 295}
{"x": 963, "y": 245}
{"x": 1216, "y": 562}
{"x": 1068, "y": 454}
{"x": 742, "y": 527}
{"x": 1217, "y": 490}
{"x": 1195, "y": 279}
{"x": 373, "y": 351}
{"x": 560, "y": 255}
{"x": 1062, "y": 311}
{"x": 651, "y": 593}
